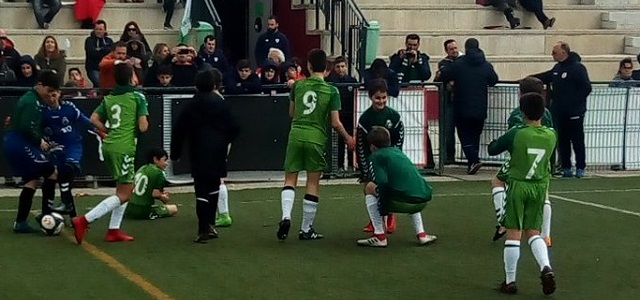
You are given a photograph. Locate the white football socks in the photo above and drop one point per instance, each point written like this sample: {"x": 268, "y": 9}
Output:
{"x": 116, "y": 216}
{"x": 511, "y": 256}
{"x": 374, "y": 214}
{"x": 417, "y": 222}
{"x": 223, "y": 200}
{"x": 539, "y": 250}
{"x": 309, "y": 209}
{"x": 287, "y": 203}
{"x": 546, "y": 219}
{"x": 103, "y": 208}
{"x": 498, "y": 195}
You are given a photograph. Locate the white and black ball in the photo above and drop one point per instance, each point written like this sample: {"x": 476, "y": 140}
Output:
{"x": 52, "y": 224}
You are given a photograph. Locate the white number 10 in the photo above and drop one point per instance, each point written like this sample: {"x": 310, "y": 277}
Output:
{"x": 539, "y": 153}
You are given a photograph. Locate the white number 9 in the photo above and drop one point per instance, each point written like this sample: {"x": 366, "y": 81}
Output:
{"x": 309, "y": 100}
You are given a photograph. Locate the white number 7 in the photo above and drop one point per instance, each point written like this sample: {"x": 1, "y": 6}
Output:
{"x": 539, "y": 153}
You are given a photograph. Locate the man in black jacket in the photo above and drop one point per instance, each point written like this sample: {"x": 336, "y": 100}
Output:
{"x": 208, "y": 127}
{"x": 451, "y": 48}
{"x": 273, "y": 38}
{"x": 410, "y": 63}
{"x": 570, "y": 87}
{"x": 96, "y": 46}
{"x": 472, "y": 75}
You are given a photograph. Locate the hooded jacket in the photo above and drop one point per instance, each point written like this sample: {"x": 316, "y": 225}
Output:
{"x": 570, "y": 86}
{"x": 95, "y": 49}
{"x": 473, "y": 76}
{"x": 27, "y": 81}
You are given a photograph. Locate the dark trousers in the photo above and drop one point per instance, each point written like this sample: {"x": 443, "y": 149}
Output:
{"x": 570, "y": 132}
{"x": 45, "y": 15}
{"x": 168, "y": 6}
{"x": 535, "y": 6}
{"x": 449, "y": 129}
{"x": 469, "y": 131}
{"x": 347, "y": 121}
{"x": 207, "y": 190}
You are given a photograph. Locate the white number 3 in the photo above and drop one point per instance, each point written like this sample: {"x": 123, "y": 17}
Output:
{"x": 116, "y": 110}
{"x": 539, "y": 153}
{"x": 309, "y": 100}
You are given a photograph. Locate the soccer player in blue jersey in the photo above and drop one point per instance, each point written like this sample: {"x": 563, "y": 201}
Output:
{"x": 24, "y": 145}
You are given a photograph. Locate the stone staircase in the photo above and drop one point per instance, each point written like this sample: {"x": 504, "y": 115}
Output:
{"x": 601, "y": 32}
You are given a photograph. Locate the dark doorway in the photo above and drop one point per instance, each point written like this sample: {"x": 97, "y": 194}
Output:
{"x": 234, "y": 15}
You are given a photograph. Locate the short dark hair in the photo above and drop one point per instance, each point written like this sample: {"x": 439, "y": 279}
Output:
{"x": 318, "y": 60}
{"x": 412, "y": 36}
{"x": 210, "y": 37}
{"x": 531, "y": 84}
{"x": 624, "y": 61}
{"x": 532, "y": 106}
{"x": 471, "y": 43}
{"x": 103, "y": 22}
{"x": 447, "y": 42}
{"x": 74, "y": 69}
{"x": 243, "y": 64}
{"x": 379, "y": 137}
{"x": 123, "y": 73}
{"x": 49, "y": 78}
{"x": 164, "y": 70}
{"x": 157, "y": 153}
{"x": 339, "y": 59}
{"x": 208, "y": 80}
{"x": 273, "y": 17}
{"x": 377, "y": 85}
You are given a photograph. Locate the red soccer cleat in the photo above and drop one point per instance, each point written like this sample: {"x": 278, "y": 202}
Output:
{"x": 391, "y": 223}
{"x": 368, "y": 227}
{"x": 117, "y": 235}
{"x": 80, "y": 226}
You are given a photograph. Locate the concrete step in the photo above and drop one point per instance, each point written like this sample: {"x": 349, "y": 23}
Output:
{"x": 432, "y": 16}
{"x": 29, "y": 41}
{"x": 361, "y": 3}
{"x": 511, "y": 42}
{"x": 148, "y": 16}
{"x": 621, "y": 20}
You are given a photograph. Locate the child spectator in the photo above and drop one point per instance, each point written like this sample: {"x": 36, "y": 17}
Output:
{"x": 28, "y": 75}
{"x": 164, "y": 76}
{"x": 243, "y": 81}
{"x": 75, "y": 75}
{"x": 339, "y": 76}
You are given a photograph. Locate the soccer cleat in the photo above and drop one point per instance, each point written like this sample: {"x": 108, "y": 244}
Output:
{"x": 547, "y": 240}
{"x": 309, "y": 235}
{"x": 474, "y": 168}
{"x": 391, "y": 223}
{"x": 223, "y": 220}
{"x": 80, "y": 226}
{"x": 498, "y": 234}
{"x": 566, "y": 173}
{"x": 548, "y": 281}
{"x": 213, "y": 233}
{"x": 368, "y": 228}
{"x": 579, "y": 173}
{"x": 377, "y": 240}
{"x": 283, "y": 229}
{"x": 63, "y": 209}
{"x": 202, "y": 238}
{"x": 23, "y": 227}
{"x": 117, "y": 235}
{"x": 426, "y": 239}
{"x": 505, "y": 288}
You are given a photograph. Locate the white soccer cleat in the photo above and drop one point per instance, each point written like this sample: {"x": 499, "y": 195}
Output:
{"x": 426, "y": 239}
{"x": 372, "y": 242}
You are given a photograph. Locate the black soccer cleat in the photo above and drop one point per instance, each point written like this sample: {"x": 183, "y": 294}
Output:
{"x": 498, "y": 235}
{"x": 202, "y": 238}
{"x": 309, "y": 235}
{"x": 548, "y": 281}
{"x": 283, "y": 229}
{"x": 505, "y": 288}
{"x": 213, "y": 233}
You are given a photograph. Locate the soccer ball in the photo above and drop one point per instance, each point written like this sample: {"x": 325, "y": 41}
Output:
{"x": 52, "y": 224}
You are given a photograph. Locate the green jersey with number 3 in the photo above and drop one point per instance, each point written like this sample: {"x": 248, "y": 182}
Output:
{"x": 314, "y": 100}
{"x": 148, "y": 178}
{"x": 530, "y": 148}
{"x": 121, "y": 109}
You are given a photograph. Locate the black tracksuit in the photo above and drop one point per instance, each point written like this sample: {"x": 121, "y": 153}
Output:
{"x": 346, "y": 113}
{"x": 570, "y": 87}
{"x": 449, "y": 116}
{"x": 207, "y": 126}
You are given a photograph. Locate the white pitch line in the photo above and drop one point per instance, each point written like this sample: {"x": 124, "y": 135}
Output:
{"x": 606, "y": 207}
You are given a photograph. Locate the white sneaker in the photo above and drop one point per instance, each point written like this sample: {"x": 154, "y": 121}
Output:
{"x": 372, "y": 242}
{"x": 426, "y": 239}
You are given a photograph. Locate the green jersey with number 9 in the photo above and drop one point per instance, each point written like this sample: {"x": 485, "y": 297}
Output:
{"x": 314, "y": 100}
{"x": 530, "y": 148}
{"x": 121, "y": 110}
{"x": 148, "y": 178}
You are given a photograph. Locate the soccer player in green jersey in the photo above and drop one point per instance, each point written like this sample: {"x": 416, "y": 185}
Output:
{"x": 526, "y": 85}
{"x": 530, "y": 146}
{"x": 314, "y": 106}
{"x": 378, "y": 114}
{"x": 149, "y": 184}
{"x": 395, "y": 186}
{"x": 125, "y": 111}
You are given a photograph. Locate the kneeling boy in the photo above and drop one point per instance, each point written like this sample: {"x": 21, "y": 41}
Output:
{"x": 149, "y": 183}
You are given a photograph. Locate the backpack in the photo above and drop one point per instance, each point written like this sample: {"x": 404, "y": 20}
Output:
{"x": 7, "y": 76}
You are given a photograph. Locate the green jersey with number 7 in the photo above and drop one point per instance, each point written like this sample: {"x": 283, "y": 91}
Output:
{"x": 314, "y": 101}
{"x": 121, "y": 109}
{"x": 530, "y": 148}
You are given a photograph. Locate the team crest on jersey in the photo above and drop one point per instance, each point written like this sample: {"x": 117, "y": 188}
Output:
{"x": 65, "y": 121}
{"x": 388, "y": 124}
{"x": 564, "y": 75}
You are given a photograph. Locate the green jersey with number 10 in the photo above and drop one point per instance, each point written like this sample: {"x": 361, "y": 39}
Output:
{"x": 122, "y": 108}
{"x": 314, "y": 101}
{"x": 530, "y": 148}
{"x": 148, "y": 178}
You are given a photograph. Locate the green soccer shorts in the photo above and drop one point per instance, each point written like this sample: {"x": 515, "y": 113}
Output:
{"x": 397, "y": 202}
{"x": 524, "y": 204}
{"x": 142, "y": 212}
{"x": 121, "y": 166}
{"x": 304, "y": 156}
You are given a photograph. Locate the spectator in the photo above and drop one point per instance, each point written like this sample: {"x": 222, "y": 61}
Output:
{"x": 132, "y": 30}
{"x": 506, "y": 7}
{"x": 75, "y": 75}
{"x": 276, "y": 58}
{"x": 87, "y": 12}
{"x": 451, "y": 48}
{"x": 28, "y": 74}
{"x": 8, "y": 51}
{"x": 534, "y": 6}
{"x": 636, "y": 73}
{"x": 213, "y": 56}
{"x": 379, "y": 69}
{"x": 268, "y": 74}
{"x": 183, "y": 66}
{"x": 108, "y": 63}
{"x": 624, "y": 76}
{"x": 96, "y": 46}
{"x": 472, "y": 75}
{"x": 44, "y": 16}
{"x": 409, "y": 63}
{"x": 243, "y": 81}
{"x": 273, "y": 38}
{"x": 164, "y": 76}
{"x": 291, "y": 73}
{"x": 137, "y": 52}
{"x": 346, "y": 86}
{"x": 49, "y": 57}
{"x": 570, "y": 87}
{"x": 168, "y": 6}
{"x": 160, "y": 57}
{"x": 9, "y": 63}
